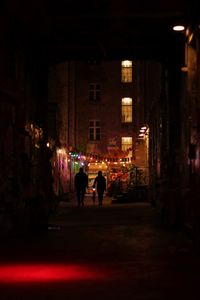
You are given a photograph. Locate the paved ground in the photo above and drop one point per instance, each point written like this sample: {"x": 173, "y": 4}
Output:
{"x": 112, "y": 252}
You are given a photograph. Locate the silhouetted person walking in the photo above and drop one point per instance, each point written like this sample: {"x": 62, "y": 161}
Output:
{"x": 101, "y": 186}
{"x": 81, "y": 182}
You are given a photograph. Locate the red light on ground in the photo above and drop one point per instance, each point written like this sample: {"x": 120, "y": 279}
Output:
{"x": 33, "y": 273}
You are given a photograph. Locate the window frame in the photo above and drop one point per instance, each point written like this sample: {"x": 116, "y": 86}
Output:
{"x": 126, "y": 110}
{"x": 126, "y": 71}
{"x": 127, "y": 144}
{"x": 94, "y": 130}
{"x": 95, "y": 92}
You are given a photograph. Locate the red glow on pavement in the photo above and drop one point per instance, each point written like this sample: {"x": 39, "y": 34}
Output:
{"x": 38, "y": 273}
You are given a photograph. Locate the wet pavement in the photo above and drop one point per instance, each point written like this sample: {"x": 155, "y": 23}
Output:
{"x": 118, "y": 251}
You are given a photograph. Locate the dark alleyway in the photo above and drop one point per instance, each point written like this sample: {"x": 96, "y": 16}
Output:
{"x": 113, "y": 252}
{"x": 108, "y": 85}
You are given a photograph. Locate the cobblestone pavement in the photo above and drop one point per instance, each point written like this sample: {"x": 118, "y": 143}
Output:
{"x": 111, "y": 252}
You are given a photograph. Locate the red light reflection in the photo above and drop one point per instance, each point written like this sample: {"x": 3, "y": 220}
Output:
{"x": 30, "y": 273}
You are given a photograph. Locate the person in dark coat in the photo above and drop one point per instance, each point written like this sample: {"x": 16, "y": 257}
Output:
{"x": 81, "y": 182}
{"x": 100, "y": 181}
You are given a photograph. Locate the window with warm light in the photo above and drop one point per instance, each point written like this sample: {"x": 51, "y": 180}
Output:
{"x": 127, "y": 110}
{"x": 126, "y": 71}
{"x": 126, "y": 144}
{"x": 94, "y": 92}
{"x": 94, "y": 130}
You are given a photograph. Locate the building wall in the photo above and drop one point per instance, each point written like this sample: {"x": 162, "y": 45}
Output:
{"x": 108, "y": 110}
{"x": 11, "y": 122}
{"x": 190, "y": 164}
{"x": 69, "y": 95}
{"x": 62, "y": 122}
{"x": 23, "y": 154}
{"x": 149, "y": 113}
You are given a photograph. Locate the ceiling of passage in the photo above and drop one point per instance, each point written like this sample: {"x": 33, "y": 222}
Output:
{"x": 96, "y": 29}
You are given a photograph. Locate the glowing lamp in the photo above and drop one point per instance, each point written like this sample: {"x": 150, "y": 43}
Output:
{"x": 179, "y": 28}
{"x": 184, "y": 69}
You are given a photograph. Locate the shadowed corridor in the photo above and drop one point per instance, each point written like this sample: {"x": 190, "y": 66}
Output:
{"x": 113, "y": 252}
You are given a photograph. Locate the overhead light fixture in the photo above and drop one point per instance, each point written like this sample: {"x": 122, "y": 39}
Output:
{"x": 184, "y": 68}
{"x": 179, "y": 28}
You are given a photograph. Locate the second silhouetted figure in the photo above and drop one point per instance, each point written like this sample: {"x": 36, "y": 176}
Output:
{"x": 101, "y": 186}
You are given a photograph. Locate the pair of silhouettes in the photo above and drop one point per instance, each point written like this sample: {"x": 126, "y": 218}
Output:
{"x": 81, "y": 183}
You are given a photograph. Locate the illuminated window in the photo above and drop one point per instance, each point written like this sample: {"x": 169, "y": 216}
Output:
{"x": 94, "y": 130}
{"x": 127, "y": 110}
{"x": 126, "y": 145}
{"x": 94, "y": 92}
{"x": 126, "y": 75}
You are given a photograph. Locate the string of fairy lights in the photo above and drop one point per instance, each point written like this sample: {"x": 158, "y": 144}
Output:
{"x": 85, "y": 159}
{"x": 88, "y": 158}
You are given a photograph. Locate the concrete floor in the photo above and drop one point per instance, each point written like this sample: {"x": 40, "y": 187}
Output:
{"x": 112, "y": 252}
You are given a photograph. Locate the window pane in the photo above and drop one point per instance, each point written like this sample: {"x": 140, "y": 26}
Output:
{"x": 91, "y": 134}
{"x": 126, "y": 71}
{"x": 126, "y": 114}
{"x": 97, "y": 134}
{"x": 91, "y": 96}
{"x": 127, "y": 63}
{"x": 126, "y": 145}
{"x": 127, "y": 110}
{"x": 94, "y": 130}
{"x": 126, "y": 101}
{"x": 94, "y": 92}
{"x": 98, "y": 96}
